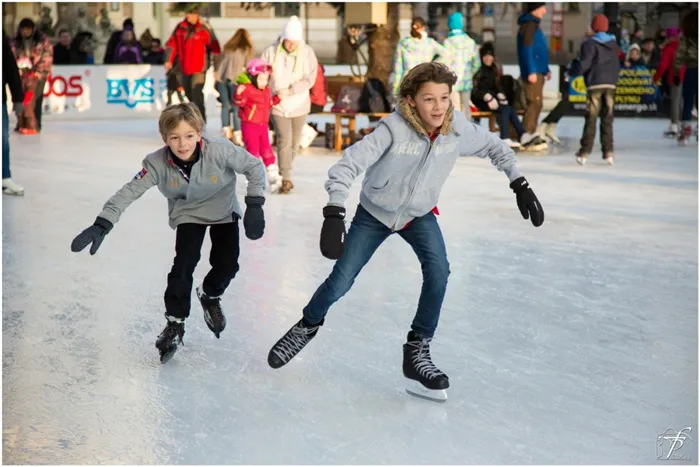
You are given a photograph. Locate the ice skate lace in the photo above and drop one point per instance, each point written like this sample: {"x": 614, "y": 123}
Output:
{"x": 293, "y": 342}
{"x": 175, "y": 330}
{"x": 422, "y": 361}
{"x": 214, "y": 308}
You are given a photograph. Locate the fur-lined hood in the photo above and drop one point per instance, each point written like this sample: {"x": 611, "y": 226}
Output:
{"x": 411, "y": 116}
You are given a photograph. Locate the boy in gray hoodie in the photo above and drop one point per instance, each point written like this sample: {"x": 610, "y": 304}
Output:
{"x": 407, "y": 159}
{"x": 198, "y": 177}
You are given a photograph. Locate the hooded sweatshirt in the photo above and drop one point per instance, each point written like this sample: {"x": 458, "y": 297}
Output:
{"x": 411, "y": 52}
{"x": 405, "y": 170}
{"x": 533, "y": 53}
{"x": 294, "y": 71}
{"x": 462, "y": 54}
{"x": 600, "y": 63}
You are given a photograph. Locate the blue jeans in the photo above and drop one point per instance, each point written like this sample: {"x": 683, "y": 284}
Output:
{"x": 364, "y": 237}
{"x": 690, "y": 90}
{"x": 5, "y": 142}
{"x": 507, "y": 114}
{"x": 227, "y": 90}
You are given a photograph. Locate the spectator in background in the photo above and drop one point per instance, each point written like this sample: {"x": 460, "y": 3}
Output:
{"x": 34, "y": 57}
{"x": 115, "y": 39}
{"x": 190, "y": 43}
{"x": 650, "y": 53}
{"x": 156, "y": 54}
{"x": 128, "y": 51}
{"x": 666, "y": 74}
{"x": 11, "y": 80}
{"x": 634, "y": 57}
{"x": 63, "y": 54}
{"x": 533, "y": 58}
{"x": 237, "y": 53}
{"x": 319, "y": 91}
{"x": 462, "y": 57}
{"x": 687, "y": 56}
{"x": 412, "y": 51}
{"x": 295, "y": 69}
{"x": 600, "y": 67}
{"x": 637, "y": 37}
{"x": 82, "y": 48}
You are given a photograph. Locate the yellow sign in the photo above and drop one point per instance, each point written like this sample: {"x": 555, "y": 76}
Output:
{"x": 579, "y": 85}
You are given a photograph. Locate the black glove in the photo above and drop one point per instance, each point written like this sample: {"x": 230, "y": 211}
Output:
{"x": 333, "y": 232}
{"x": 94, "y": 234}
{"x": 254, "y": 218}
{"x": 528, "y": 203}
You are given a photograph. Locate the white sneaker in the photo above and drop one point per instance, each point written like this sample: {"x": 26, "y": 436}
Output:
{"x": 550, "y": 131}
{"x": 227, "y": 132}
{"x": 238, "y": 138}
{"x": 274, "y": 179}
{"x": 512, "y": 144}
{"x": 11, "y": 188}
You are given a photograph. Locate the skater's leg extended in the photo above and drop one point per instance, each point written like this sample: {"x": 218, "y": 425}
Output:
{"x": 363, "y": 238}
{"x": 425, "y": 237}
{"x": 225, "y": 250}
{"x": 188, "y": 243}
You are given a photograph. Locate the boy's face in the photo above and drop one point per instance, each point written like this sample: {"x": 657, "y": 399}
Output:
{"x": 262, "y": 80}
{"x": 182, "y": 141}
{"x": 432, "y": 102}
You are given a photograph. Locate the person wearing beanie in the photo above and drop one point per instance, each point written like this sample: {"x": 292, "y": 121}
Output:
{"x": 533, "y": 58}
{"x": 600, "y": 66}
{"x": 294, "y": 66}
{"x": 462, "y": 57}
{"x": 666, "y": 75}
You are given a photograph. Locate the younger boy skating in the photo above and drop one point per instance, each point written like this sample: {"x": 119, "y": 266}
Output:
{"x": 255, "y": 101}
{"x": 407, "y": 159}
{"x": 198, "y": 177}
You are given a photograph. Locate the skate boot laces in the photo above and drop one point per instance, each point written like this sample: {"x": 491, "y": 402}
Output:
{"x": 213, "y": 305}
{"x": 294, "y": 341}
{"x": 174, "y": 330}
{"x": 422, "y": 361}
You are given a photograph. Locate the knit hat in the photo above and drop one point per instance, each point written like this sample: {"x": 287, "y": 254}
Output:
{"x": 673, "y": 32}
{"x": 487, "y": 49}
{"x": 599, "y": 23}
{"x": 293, "y": 30}
{"x": 533, "y": 6}
{"x": 455, "y": 21}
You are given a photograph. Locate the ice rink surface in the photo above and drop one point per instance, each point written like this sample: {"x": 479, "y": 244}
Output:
{"x": 572, "y": 343}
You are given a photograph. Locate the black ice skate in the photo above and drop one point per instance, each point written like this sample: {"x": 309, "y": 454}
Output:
{"x": 425, "y": 379}
{"x": 291, "y": 344}
{"x": 170, "y": 337}
{"x": 213, "y": 314}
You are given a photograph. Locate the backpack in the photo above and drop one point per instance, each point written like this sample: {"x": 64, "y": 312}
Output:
{"x": 348, "y": 100}
{"x": 373, "y": 98}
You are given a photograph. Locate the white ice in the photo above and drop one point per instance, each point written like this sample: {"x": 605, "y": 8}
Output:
{"x": 574, "y": 343}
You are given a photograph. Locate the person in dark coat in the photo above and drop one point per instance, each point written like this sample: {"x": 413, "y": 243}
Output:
{"x": 11, "y": 80}
{"x": 114, "y": 41}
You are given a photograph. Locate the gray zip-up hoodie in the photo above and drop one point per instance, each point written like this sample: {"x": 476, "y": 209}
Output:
{"x": 210, "y": 195}
{"x": 405, "y": 170}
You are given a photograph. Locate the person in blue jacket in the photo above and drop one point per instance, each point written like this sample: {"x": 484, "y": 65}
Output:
{"x": 533, "y": 58}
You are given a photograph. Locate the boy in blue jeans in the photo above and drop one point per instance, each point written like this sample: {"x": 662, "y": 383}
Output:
{"x": 407, "y": 158}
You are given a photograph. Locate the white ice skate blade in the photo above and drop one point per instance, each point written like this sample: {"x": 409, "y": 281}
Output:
{"x": 416, "y": 389}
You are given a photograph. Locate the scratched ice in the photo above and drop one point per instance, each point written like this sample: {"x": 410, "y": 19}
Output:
{"x": 572, "y": 343}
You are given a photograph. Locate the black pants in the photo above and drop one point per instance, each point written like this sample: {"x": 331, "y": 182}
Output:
{"x": 223, "y": 259}
{"x": 194, "y": 90}
{"x": 600, "y": 103}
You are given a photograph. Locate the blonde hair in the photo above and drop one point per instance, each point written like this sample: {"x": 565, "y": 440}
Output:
{"x": 171, "y": 117}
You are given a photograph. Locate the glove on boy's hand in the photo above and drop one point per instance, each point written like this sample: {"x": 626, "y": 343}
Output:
{"x": 94, "y": 234}
{"x": 254, "y": 218}
{"x": 528, "y": 203}
{"x": 333, "y": 232}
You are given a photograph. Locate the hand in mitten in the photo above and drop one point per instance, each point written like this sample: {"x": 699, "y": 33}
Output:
{"x": 333, "y": 232}
{"x": 94, "y": 234}
{"x": 528, "y": 203}
{"x": 490, "y": 101}
{"x": 502, "y": 98}
{"x": 254, "y": 218}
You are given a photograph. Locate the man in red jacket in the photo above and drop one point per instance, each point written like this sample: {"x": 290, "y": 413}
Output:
{"x": 191, "y": 43}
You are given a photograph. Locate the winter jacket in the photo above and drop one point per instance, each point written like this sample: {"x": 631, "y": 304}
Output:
{"x": 405, "y": 170}
{"x": 687, "y": 53}
{"x": 10, "y": 73}
{"x": 599, "y": 62}
{"x": 191, "y": 44}
{"x": 254, "y": 104}
{"x": 666, "y": 70}
{"x": 64, "y": 55}
{"x": 319, "y": 91}
{"x": 36, "y": 52}
{"x": 233, "y": 63}
{"x": 209, "y": 197}
{"x": 412, "y": 52}
{"x": 128, "y": 54}
{"x": 461, "y": 53}
{"x": 295, "y": 72}
{"x": 486, "y": 81}
{"x": 533, "y": 53}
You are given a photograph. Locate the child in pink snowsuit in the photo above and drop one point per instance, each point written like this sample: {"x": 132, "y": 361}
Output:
{"x": 254, "y": 100}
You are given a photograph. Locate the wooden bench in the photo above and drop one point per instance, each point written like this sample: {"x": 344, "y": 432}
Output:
{"x": 493, "y": 124}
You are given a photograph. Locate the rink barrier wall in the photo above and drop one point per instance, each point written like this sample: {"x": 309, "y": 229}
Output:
{"x": 88, "y": 92}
